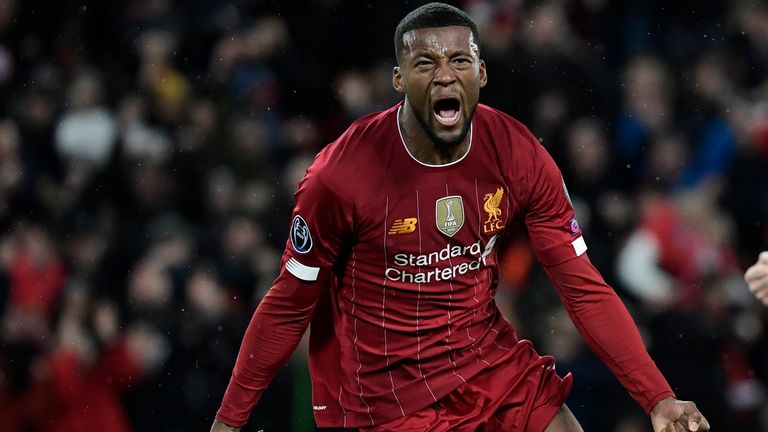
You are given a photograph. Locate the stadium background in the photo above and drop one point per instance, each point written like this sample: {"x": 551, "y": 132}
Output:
{"x": 149, "y": 150}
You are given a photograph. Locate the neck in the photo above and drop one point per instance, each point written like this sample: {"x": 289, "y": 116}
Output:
{"x": 421, "y": 146}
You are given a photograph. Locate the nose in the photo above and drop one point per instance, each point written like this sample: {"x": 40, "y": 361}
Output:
{"x": 444, "y": 74}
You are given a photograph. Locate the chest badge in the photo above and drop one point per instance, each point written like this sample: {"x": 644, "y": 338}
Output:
{"x": 449, "y": 214}
{"x": 491, "y": 206}
{"x": 403, "y": 226}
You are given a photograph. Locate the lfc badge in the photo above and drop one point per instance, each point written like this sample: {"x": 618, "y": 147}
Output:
{"x": 491, "y": 206}
{"x": 449, "y": 214}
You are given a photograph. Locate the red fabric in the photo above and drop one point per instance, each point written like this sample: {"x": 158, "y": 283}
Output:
{"x": 736, "y": 364}
{"x": 35, "y": 288}
{"x": 404, "y": 301}
{"x": 687, "y": 253}
{"x": 761, "y": 138}
{"x": 272, "y": 335}
{"x": 519, "y": 393}
{"x": 88, "y": 398}
{"x": 18, "y": 412}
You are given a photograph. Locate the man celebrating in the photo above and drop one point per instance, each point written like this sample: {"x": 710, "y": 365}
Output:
{"x": 391, "y": 260}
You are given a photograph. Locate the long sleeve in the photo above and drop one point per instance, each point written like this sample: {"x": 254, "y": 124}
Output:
{"x": 608, "y": 329}
{"x": 319, "y": 232}
{"x": 275, "y": 330}
{"x": 593, "y": 306}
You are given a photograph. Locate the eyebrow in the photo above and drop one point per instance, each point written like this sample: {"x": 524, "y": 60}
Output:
{"x": 426, "y": 53}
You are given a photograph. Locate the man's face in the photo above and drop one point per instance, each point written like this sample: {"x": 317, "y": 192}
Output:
{"x": 441, "y": 75}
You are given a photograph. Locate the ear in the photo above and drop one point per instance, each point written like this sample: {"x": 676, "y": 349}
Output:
{"x": 483, "y": 74}
{"x": 397, "y": 80}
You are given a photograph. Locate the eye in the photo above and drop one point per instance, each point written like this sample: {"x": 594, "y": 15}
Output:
{"x": 462, "y": 60}
{"x": 423, "y": 64}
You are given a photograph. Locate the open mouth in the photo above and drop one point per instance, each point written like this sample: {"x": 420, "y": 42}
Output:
{"x": 447, "y": 111}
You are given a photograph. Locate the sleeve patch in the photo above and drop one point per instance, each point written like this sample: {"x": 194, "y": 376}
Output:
{"x": 301, "y": 238}
{"x": 579, "y": 246}
{"x": 574, "y": 225}
{"x": 301, "y": 271}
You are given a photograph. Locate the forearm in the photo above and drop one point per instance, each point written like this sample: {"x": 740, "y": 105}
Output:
{"x": 272, "y": 335}
{"x": 606, "y": 326}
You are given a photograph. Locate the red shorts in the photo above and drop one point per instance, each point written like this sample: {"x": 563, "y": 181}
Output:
{"x": 519, "y": 392}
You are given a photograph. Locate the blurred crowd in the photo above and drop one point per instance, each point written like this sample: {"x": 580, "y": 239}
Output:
{"x": 149, "y": 150}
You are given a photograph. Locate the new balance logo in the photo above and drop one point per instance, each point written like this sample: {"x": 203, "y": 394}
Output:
{"x": 403, "y": 226}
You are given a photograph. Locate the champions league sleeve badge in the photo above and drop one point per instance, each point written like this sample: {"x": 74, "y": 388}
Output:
{"x": 301, "y": 239}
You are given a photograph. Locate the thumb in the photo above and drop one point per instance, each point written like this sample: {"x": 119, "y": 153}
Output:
{"x": 694, "y": 416}
{"x": 695, "y": 419}
{"x": 704, "y": 424}
{"x": 763, "y": 257}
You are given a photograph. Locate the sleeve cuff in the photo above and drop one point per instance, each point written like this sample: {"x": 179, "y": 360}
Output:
{"x": 229, "y": 421}
{"x": 656, "y": 399}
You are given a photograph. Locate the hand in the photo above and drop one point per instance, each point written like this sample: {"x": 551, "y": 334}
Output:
{"x": 221, "y": 427}
{"x": 672, "y": 415}
{"x": 757, "y": 278}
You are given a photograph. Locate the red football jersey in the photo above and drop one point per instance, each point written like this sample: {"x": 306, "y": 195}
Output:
{"x": 406, "y": 252}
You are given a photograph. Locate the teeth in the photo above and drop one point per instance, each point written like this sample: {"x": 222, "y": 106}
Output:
{"x": 448, "y": 119}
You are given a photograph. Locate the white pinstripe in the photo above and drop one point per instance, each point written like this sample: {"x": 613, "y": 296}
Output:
{"x": 418, "y": 301}
{"x": 450, "y": 299}
{"x": 490, "y": 309}
{"x": 477, "y": 281}
{"x": 357, "y": 352}
{"x": 343, "y": 411}
{"x": 494, "y": 342}
{"x": 383, "y": 304}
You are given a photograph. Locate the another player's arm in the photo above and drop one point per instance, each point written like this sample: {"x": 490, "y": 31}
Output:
{"x": 757, "y": 278}
{"x": 593, "y": 306}
{"x": 321, "y": 224}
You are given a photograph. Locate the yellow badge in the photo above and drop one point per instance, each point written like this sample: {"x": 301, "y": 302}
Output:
{"x": 449, "y": 214}
{"x": 491, "y": 206}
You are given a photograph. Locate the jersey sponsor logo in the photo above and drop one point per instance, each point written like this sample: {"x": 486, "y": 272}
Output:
{"x": 449, "y": 214}
{"x": 301, "y": 238}
{"x": 446, "y": 264}
{"x": 574, "y": 225}
{"x": 491, "y": 206}
{"x": 403, "y": 226}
